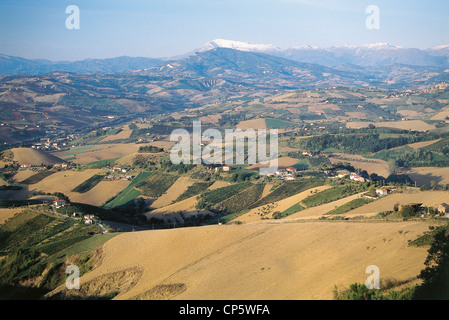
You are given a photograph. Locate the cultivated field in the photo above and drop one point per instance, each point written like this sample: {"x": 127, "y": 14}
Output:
{"x": 414, "y": 125}
{"x": 63, "y": 181}
{"x": 22, "y": 175}
{"x": 318, "y": 211}
{"x": 283, "y": 162}
{"x": 33, "y": 157}
{"x": 124, "y": 134}
{"x": 427, "y": 198}
{"x": 266, "y": 211}
{"x": 370, "y": 165}
{"x": 87, "y": 154}
{"x": 102, "y": 192}
{"x": 425, "y": 175}
{"x": 177, "y": 189}
{"x": 252, "y": 124}
{"x": 255, "y": 261}
{"x": 423, "y": 144}
{"x": 6, "y": 214}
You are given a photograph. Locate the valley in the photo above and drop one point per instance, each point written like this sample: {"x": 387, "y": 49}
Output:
{"x": 87, "y": 178}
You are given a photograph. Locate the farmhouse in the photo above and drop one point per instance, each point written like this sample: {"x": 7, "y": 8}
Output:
{"x": 292, "y": 169}
{"x": 60, "y": 203}
{"x": 381, "y": 192}
{"x": 443, "y": 208}
{"x": 227, "y": 168}
{"x": 342, "y": 173}
{"x": 355, "y": 177}
{"x": 89, "y": 219}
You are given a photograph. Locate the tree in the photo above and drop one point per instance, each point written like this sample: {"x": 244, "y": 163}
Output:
{"x": 372, "y": 192}
{"x": 407, "y": 212}
{"x": 393, "y": 166}
{"x": 436, "y": 274}
{"x": 396, "y": 207}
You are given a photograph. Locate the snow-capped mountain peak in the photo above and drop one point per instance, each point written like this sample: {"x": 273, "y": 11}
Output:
{"x": 238, "y": 45}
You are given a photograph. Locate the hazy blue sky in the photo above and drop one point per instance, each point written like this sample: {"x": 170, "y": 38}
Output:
{"x": 160, "y": 28}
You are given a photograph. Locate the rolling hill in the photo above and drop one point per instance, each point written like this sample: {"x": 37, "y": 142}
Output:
{"x": 29, "y": 156}
{"x": 255, "y": 261}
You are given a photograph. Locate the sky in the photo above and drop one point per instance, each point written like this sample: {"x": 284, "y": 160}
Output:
{"x": 36, "y": 29}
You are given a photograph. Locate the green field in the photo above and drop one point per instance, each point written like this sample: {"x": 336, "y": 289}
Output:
{"x": 293, "y": 209}
{"x": 101, "y": 163}
{"x": 194, "y": 189}
{"x": 350, "y": 206}
{"x": 32, "y": 242}
{"x": 243, "y": 200}
{"x": 156, "y": 185}
{"x": 212, "y": 197}
{"x": 329, "y": 195}
{"x": 278, "y": 124}
{"x": 288, "y": 189}
{"x": 129, "y": 193}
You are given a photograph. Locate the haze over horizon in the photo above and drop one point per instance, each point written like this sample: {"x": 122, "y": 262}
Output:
{"x": 168, "y": 28}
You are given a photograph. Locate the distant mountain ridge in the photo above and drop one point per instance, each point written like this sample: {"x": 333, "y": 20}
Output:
{"x": 369, "y": 55}
{"x": 15, "y": 65}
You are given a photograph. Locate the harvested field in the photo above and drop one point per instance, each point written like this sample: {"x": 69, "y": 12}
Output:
{"x": 283, "y": 162}
{"x": 414, "y": 125}
{"x": 63, "y": 181}
{"x": 425, "y": 175}
{"x": 428, "y": 198}
{"x": 173, "y": 212}
{"x": 6, "y": 214}
{"x": 279, "y": 261}
{"x": 370, "y": 165}
{"x": 124, "y": 134}
{"x": 22, "y": 175}
{"x": 177, "y": 189}
{"x": 266, "y": 211}
{"x": 441, "y": 116}
{"x": 33, "y": 157}
{"x": 423, "y": 144}
{"x": 100, "y": 152}
{"x": 218, "y": 185}
{"x": 318, "y": 211}
{"x": 102, "y": 192}
{"x": 252, "y": 124}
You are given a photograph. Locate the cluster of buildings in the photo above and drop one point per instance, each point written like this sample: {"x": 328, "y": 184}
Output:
{"x": 288, "y": 174}
{"x": 53, "y": 144}
{"x": 352, "y": 175}
{"x": 89, "y": 219}
{"x": 60, "y": 204}
{"x": 117, "y": 174}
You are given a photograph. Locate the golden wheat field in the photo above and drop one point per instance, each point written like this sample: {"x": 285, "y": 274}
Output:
{"x": 125, "y": 133}
{"x": 99, "y": 194}
{"x": 377, "y": 166}
{"x": 427, "y": 198}
{"x": 414, "y": 125}
{"x": 63, "y": 181}
{"x": 6, "y": 214}
{"x": 425, "y": 175}
{"x": 266, "y": 211}
{"x": 255, "y": 261}
{"x": 177, "y": 189}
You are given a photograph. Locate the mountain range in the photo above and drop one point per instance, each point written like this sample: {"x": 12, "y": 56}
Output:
{"x": 370, "y": 55}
